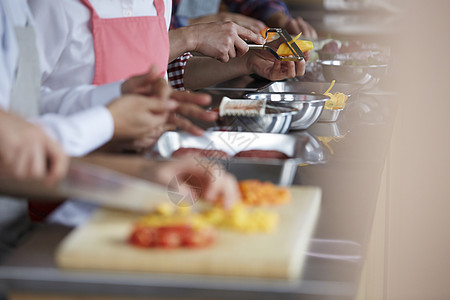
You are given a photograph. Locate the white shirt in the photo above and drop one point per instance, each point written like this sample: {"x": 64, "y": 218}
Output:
{"x": 77, "y": 133}
{"x": 68, "y": 57}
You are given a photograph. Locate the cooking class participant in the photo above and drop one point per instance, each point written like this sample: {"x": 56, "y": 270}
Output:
{"x": 253, "y": 14}
{"x": 77, "y": 14}
{"x": 19, "y": 91}
{"x": 70, "y": 52}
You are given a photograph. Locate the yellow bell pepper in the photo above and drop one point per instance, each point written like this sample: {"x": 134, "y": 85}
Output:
{"x": 284, "y": 50}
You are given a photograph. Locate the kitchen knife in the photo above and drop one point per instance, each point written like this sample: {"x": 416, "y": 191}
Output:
{"x": 94, "y": 184}
{"x": 108, "y": 188}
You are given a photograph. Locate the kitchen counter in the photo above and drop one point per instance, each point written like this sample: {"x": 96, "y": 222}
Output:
{"x": 355, "y": 149}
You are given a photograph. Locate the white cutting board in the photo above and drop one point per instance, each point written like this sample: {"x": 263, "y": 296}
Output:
{"x": 101, "y": 244}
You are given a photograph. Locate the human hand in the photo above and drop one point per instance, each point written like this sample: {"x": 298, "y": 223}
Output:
{"x": 297, "y": 25}
{"x": 148, "y": 84}
{"x": 189, "y": 105}
{"x": 264, "y": 64}
{"x": 138, "y": 116}
{"x": 253, "y": 24}
{"x": 222, "y": 41}
{"x": 27, "y": 153}
{"x": 206, "y": 176}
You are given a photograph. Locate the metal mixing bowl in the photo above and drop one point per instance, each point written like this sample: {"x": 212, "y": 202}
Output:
{"x": 366, "y": 75}
{"x": 276, "y": 120}
{"x": 309, "y": 106}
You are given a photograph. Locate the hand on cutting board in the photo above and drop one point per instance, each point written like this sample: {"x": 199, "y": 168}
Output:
{"x": 264, "y": 64}
{"x": 216, "y": 183}
{"x": 253, "y": 24}
{"x": 27, "y": 153}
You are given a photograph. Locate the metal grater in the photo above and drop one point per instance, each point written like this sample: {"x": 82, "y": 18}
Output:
{"x": 242, "y": 107}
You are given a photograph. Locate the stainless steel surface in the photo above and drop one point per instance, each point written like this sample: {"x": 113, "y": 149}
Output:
{"x": 367, "y": 76}
{"x": 326, "y": 129}
{"x": 275, "y": 120}
{"x": 308, "y": 87}
{"x": 329, "y": 115}
{"x": 309, "y": 106}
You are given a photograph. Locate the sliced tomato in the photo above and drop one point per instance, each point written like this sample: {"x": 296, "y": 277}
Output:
{"x": 143, "y": 236}
{"x": 171, "y": 236}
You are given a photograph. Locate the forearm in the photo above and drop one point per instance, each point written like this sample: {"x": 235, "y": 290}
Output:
{"x": 181, "y": 40}
{"x": 202, "y": 72}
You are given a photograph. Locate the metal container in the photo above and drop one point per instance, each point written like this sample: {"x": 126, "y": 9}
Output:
{"x": 308, "y": 87}
{"x": 367, "y": 76}
{"x": 309, "y": 106}
{"x": 302, "y": 148}
{"x": 329, "y": 115}
{"x": 276, "y": 120}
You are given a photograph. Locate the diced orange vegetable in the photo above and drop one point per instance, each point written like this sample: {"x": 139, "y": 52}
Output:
{"x": 255, "y": 192}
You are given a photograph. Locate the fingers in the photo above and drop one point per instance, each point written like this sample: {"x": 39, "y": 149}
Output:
{"x": 156, "y": 105}
{"x": 37, "y": 166}
{"x": 149, "y": 84}
{"x": 196, "y": 98}
{"x": 293, "y": 27}
{"x": 241, "y": 47}
{"x": 306, "y": 28}
{"x": 247, "y": 34}
{"x": 185, "y": 125}
{"x": 195, "y": 111}
{"x": 57, "y": 163}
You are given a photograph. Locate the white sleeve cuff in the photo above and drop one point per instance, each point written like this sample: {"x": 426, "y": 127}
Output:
{"x": 79, "y": 133}
{"x": 104, "y": 94}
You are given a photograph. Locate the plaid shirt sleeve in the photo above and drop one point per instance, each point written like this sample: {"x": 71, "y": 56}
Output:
{"x": 258, "y": 9}
{"x": 175, "y": 71}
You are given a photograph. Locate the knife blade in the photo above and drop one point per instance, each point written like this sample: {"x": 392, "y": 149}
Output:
{"x": 108, "y": 188}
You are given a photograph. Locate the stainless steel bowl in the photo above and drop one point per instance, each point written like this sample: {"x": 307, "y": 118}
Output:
{"x": 329, "y": 115}
{"x": 276, "y": 120}
{"x": 309, "y": 106}
{"x": 308, "y": 87}
{"x": 367, "y": 76}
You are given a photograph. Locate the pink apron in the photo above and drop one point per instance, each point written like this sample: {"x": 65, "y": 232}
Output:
{"x": 129, "y": 46}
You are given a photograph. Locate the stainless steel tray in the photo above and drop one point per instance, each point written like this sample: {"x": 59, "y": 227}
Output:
{"x": 307, "y": 87}
{"x": 276, "y": 170}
